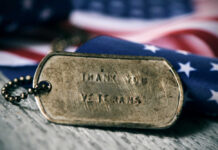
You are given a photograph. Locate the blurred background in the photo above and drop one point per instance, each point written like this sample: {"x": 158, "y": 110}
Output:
{"x": 27, "y": 27}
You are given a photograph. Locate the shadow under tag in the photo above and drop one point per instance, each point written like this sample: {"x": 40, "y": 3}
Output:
{"x": 109, "y": 90}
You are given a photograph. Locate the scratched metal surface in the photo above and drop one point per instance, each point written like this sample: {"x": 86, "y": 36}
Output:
{"x": 24, "y": 128}
{"x": 155, "y": 103}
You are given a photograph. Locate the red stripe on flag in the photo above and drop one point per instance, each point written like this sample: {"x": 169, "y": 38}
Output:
{"x": 210, "y": 39}
{"x": 187, "y": 42}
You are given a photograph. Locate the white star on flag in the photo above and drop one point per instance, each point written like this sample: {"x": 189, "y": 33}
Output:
{"x": 214, "y": 67}
{"x": 45, "y": 13}
{"x": 151, "y": 48}
{"x": 186, "y": 68}
{"x": 27, "y": 4}
{"x": 214, "y": 96}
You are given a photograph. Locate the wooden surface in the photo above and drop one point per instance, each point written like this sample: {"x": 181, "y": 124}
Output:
{"x": 22, "y": 127}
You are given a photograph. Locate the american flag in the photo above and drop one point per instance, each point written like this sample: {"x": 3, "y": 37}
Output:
{"x": 185, "y": 32}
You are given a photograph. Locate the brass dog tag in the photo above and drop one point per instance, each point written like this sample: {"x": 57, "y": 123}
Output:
{"x": 109, "y": 90}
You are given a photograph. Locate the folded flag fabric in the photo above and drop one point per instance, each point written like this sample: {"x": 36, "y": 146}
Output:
{"x": 199, "y": 74}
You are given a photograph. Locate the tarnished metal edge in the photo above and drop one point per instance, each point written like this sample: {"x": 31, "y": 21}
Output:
{"x": 121, "y": 124}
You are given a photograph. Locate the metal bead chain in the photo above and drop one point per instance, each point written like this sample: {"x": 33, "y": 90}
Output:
{"x": 8, "y": 88}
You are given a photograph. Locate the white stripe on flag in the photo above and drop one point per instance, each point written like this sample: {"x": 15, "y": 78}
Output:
{"x": 8, "y": 59}
{"x": 43, "y": 49}
{"x": 103, "y": 23}
{"x": 148, "y": 35}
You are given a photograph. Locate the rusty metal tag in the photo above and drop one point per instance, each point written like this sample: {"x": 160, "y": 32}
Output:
{"x": 109, "y": 90}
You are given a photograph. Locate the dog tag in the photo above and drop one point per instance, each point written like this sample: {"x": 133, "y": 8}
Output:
{"x": 109, "y": 90}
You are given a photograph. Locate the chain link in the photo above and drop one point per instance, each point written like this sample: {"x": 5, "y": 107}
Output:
{"x": 8, "y": 89}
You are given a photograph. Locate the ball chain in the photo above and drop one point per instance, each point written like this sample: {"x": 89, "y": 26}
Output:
{"x": 8, "y": 88}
